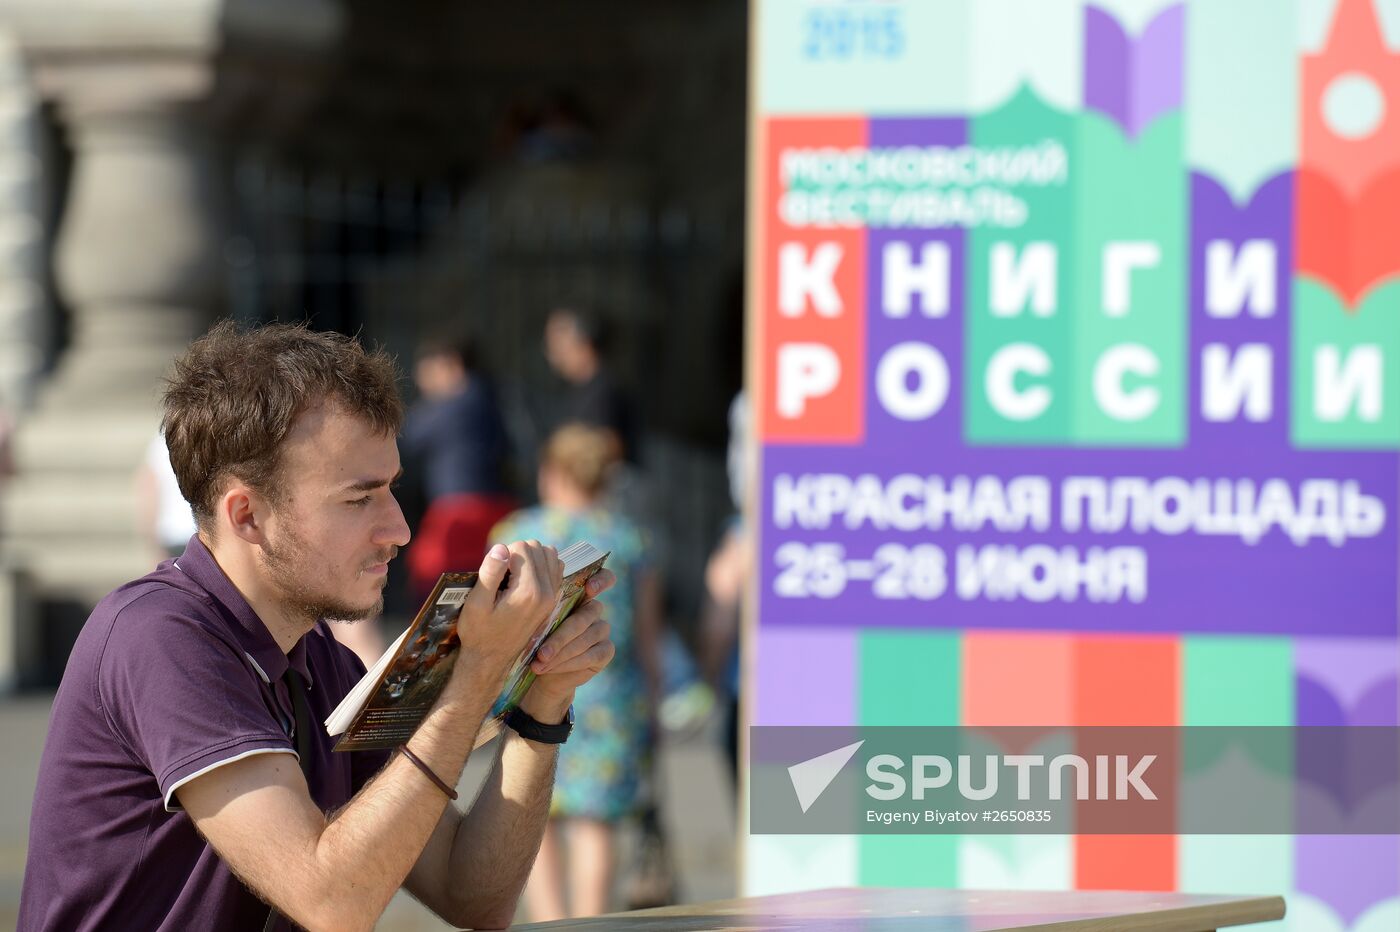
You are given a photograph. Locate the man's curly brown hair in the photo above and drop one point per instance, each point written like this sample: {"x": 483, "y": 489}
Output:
{"x": 235, "y": 394}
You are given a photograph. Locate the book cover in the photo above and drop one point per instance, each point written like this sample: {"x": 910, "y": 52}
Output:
{"x": 385, "y": 708}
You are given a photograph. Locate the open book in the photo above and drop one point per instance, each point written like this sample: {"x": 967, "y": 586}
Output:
{"x": 387, "y": 704}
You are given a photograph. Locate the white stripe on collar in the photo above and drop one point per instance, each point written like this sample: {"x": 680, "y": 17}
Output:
{"x": 256, "y": 666}
{"x": 261, "y": 672}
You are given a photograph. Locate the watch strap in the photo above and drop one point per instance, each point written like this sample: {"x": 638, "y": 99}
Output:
{"x": 532, "y": 729}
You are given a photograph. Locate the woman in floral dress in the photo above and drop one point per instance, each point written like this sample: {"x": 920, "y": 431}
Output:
{"x": 602, "y": 765}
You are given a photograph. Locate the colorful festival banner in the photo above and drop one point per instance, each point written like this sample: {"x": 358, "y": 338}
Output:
{"x": 1077, "y": 391}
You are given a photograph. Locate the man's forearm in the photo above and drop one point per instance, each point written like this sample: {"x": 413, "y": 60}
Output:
{"x": 341, "y": 873}
{"x": 498, "y": 839}
{"x": 378, "y": 837}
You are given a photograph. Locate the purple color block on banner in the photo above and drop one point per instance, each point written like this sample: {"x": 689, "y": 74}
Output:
{"x": 1107, "y": 66}
{"x": 1265, "y": 222}
{"x": 1348, "y": 872}
{"x": 1133, "y": 81}
{"x": 1196, "y": 583}
{"x": 1347, "y": 682}
{"x": 1158, "y": 67}
{"x": 806, "y": 676}
{"x": 926, "y": 322}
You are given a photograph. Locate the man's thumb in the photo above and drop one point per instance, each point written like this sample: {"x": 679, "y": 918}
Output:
{"x": 493, "y": 571}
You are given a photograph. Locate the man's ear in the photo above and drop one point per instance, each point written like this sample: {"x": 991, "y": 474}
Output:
{"x": 245, "y": 513}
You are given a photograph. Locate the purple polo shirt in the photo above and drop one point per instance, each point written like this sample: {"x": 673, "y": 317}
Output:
{"x": 172, "y": 676}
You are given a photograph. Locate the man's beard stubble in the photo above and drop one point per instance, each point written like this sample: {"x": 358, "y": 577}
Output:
{"x": 280, "y": 560}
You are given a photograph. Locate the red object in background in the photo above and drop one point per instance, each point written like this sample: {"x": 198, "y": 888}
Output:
{"x": 838, "y": 416}
{"x": 1018, "y": 678}
{"x": 1126, "y": 681}
{"x": 1347, "y": 244}
{"x": 453, "y": 537}
{"x": 1348, "y": 185}
{"x": 1120, "y": 681}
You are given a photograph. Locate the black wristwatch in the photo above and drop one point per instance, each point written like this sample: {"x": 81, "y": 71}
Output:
{"x": 533, "y": 730}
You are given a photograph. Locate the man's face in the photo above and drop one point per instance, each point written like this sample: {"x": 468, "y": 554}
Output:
{"x": 331, "y": 536}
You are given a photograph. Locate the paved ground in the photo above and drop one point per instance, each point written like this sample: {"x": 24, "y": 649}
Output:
{"x": 697, "y": 811}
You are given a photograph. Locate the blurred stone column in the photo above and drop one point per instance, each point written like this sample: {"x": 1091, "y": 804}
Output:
{"x": 137, "y": 264}
{"x": 25, "y": 325}
{"x": 139, "y": 251}
{"x": 143, "y": 91}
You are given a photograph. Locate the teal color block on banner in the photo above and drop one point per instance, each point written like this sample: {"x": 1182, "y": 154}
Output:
{"x": 1345, "y": 379}
{"x": 1001, "y": 334}
{"x": 908, "y": 860}
{"x": 1130, "y": 321}
{"x": 1237, "y": 681}
{"x": 909, "y": 678}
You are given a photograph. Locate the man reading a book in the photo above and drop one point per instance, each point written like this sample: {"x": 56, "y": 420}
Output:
{"x": 187, "y": 782}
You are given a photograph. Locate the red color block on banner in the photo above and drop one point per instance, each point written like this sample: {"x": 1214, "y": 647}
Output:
{"x": 812, "y": 336}
{"x": 1018, "y": 679}
{"x": 1348, "y": 177}
{"x": 1343, "y": 243}
{"x": 1125, "y": 681}
{"x": 1351, "y": 157}
{"x": 1125, "y": 862}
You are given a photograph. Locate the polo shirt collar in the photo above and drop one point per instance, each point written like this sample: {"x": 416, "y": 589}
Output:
{"x": 257, "y": 642}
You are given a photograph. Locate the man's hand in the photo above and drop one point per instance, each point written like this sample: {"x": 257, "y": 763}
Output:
{"x": 571, "y": 656}
{"x": 495, "y": 624}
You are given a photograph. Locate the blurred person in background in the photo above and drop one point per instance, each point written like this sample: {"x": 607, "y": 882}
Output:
{"x": 165, "y": 518}
{"x": 602, "y": 771}
{"x": 574, "y": 344}
{"x": 728, "y": 575}
{"x": 455, "y": 451}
